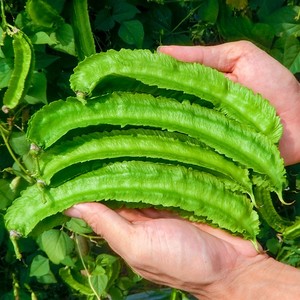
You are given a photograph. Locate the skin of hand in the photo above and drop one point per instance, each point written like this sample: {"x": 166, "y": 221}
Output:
{"x": 252, "y": 67}
{"x": 205, "y": 261}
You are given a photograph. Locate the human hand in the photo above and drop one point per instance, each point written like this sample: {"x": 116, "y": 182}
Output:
{"x": 245, "y": 63}
{"x": 168, "y": 250}
{"x": 205, "y": 261}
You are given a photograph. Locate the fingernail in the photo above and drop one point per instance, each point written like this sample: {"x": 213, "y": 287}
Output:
{"x": 73, "y": 212}
{"x": 159, "y": 48}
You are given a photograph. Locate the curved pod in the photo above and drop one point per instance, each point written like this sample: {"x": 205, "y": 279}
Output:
{"x": 199, "y": 194}
{"x": 163, "y": 71}
{"x": 140, "y": 143}
{"x": 20, "y": 79}
{"x": 266, "y": 209}
{"x": 226, "y": 136}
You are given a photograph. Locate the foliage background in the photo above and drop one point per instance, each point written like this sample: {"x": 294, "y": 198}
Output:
{"x": 81, "y": 262}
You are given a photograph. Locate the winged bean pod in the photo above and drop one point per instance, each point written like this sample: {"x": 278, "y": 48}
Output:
{"x": 84, "y": 40}
{"x": 226, "y": 136}
{"x": 140, "y": 143}
{"x": 292, "y": 232}
{"x": 192, "y": 78}
{"x": 266, "y": 208}
{"x": 23, "y": 69}
{"x": 154, "y": 184}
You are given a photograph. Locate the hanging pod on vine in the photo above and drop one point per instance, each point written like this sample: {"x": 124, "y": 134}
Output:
{"x": 163, "y": 71}
{"x": 84, "y": 43}
{"x": 292, "y": 232}
{"x": 266, "y": 209}
{"x": 170, "y": 146}
{"x": 20, "y": 79}
{"x": 212, "y": 128}
{"x": 199, "y": 195}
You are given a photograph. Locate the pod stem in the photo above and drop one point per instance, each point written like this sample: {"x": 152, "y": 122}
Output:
{"x": 86, "y": 269}
{"x": 3, "y": 16}
{"x": 4, "y": 137}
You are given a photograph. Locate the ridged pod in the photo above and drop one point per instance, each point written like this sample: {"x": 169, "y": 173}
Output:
{"x": 20, "y": 79}
{"x": 292, "y": 232}
{"x": 163, "y": 71}
{"x": 226, "y": 136}
{"x": 84, "y": 41}
{"x": 266, "y": 209}
{"x": 135, "y": 143}
{"x": 199, "y": 194}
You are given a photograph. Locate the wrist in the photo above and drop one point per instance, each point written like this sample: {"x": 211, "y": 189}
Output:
{"x": 263, "y": 278}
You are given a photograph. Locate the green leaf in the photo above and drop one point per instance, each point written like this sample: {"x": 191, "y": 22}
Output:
{"x": 132, "y": 33}
{"x": 37, "y": 93}
{"x": 104, "y": 20}
{"x": 19, "y": 143}
{"x": 78, "y": 226}
{"x": 43, "y": 14}
{"x": 57, "y": 245}
{"x": 64, "y": 39}
{"x": 47, "y": 279}
{"x": 6, "y": 194}
{"x": 6, "y": 67}
{"x": 99, "y": 280}
{"x": 58, "y": 5}
{"x": 291, "y": 55}
{"x": 265, "y": 7}
{"x": 160, "y": 20}
{"x": 208, "y": 11}
{"x": 2, "y": 228}
{"x": 112, "y": 267}
{"x": 285, "y": 21}
{"x": 273, "y": 245}
{"x": 123, "y": 11}
{"x": 40, "y": 266}
{"x": 41, "y": 38}
{"x": 43, "y": 60}
{"x": 242, "y": 27}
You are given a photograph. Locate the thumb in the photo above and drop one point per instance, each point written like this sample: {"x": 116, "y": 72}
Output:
{"x": 107, "y": 223}
{"x": 222, "y": 57}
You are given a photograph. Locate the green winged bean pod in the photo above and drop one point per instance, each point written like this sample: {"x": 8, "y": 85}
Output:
{"x": 84, "y": 41}
{"x": 134, "y": 143}
{"x": 225, "y": 135}
{"x": 266, "y": 209}
{"x": 166, "y": 72}
{"x": 20, "y": 79}
{"x": 293, "y": 231}
{"x": 199, "y": 194}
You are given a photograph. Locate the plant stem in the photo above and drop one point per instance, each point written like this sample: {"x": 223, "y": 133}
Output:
{"x": 3, "y": 131}
{"x": 3, "y": 17}
{"x": 185, "y": 18}
{"x": 86, "y": 269}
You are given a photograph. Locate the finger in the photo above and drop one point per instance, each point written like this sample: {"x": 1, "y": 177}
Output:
{"x": 132, "y": 215}
{"x": 158, "y": 214}
{"x": 222, "y": 57}
{"x": 145, "y": 214}
{"x": 105, "y": 222}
